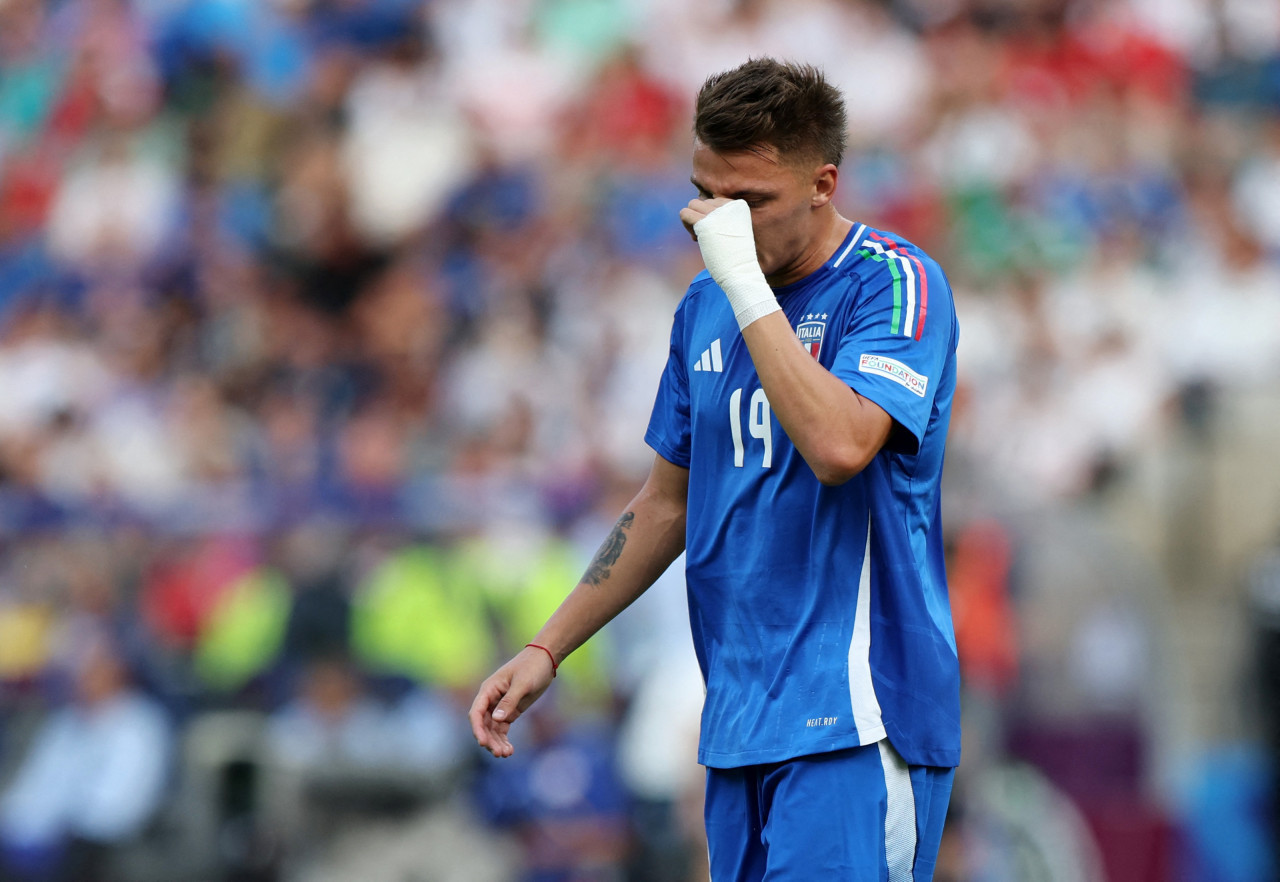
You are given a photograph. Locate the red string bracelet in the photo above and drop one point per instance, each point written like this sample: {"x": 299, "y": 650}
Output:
{"x": 554, "y": 665}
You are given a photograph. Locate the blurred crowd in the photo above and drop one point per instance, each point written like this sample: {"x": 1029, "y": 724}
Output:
{"x": 329, "y": 330}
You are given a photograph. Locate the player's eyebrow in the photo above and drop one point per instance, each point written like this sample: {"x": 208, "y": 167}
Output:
{"x": 740, "y": 194}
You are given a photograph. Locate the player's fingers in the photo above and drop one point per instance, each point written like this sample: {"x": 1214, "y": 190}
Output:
{"x": 480, "y": 716}
{"x": 499, "y": 744}
{"x": 706, "y": 206}
{"x": 689, "y": 217}
{"x": 509, "y": 708}
{"x": 697, "y": 209}
{"x": 496, "y": 739}
{"x": 493, "y": 737}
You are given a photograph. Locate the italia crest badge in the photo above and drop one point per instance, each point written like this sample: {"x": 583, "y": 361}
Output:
{"x": 811, "y": 330}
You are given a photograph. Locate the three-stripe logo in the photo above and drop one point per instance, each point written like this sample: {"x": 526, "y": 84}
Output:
{"x": 710, "y": 360}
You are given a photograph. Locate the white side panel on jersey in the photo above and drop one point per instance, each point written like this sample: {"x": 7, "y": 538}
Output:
{"x": 862, "y": 692}
{"x": 900, "y": 814}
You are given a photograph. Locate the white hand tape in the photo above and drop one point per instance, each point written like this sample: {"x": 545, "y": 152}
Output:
{"x": 729, "y": 250}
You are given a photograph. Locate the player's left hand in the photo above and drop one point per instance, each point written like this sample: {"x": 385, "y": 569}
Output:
{"x": 505, "y": 696}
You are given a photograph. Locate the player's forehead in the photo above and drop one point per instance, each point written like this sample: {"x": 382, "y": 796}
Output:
{"x": 724, "y": 172}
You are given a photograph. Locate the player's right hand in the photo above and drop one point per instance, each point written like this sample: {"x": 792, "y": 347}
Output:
{"x": 505, "y": 696}
{"x": 727, "y": 242}
{"x": 697, "y": 209}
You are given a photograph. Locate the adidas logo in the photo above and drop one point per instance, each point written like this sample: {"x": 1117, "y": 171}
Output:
{"x": 710, "y": 360}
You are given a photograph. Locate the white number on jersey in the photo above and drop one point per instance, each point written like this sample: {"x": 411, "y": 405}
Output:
{"x": 759, "y": 425}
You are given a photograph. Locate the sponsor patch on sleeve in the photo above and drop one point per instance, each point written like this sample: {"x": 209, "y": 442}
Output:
{"x": 893, "y": 370}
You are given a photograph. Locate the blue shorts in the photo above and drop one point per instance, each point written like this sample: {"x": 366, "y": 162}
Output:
{"x": 856, "y": 815}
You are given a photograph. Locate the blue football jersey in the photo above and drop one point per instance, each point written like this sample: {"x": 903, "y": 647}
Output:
{"x": 820, "y": 614}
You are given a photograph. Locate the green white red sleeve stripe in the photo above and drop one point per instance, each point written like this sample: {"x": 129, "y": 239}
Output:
{"x": 909, "y": 279}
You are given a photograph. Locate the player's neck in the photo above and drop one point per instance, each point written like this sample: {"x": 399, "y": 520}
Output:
{"x": 828, "y": 237}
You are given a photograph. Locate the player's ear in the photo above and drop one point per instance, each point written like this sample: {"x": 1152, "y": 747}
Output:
{"x": 824, "y": 184}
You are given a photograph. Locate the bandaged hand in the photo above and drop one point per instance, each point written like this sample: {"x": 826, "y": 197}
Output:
{"x": 729, "y": 250}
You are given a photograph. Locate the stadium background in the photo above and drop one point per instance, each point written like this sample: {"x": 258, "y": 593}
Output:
{"x": 329, "y": 330}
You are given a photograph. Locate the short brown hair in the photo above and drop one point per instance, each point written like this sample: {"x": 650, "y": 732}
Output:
{"x": 788, "y": 106}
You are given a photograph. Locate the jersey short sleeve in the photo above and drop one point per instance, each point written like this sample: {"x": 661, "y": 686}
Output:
{"x": 896, "y": 342}
{"x": 670, "y": 426}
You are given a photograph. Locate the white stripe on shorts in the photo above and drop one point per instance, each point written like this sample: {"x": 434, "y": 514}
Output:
{"x": 900, "y": 814}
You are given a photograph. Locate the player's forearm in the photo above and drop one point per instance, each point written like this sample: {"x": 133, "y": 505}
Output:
{"x": 837, "y": 432}
{"x": 646, "y": 539}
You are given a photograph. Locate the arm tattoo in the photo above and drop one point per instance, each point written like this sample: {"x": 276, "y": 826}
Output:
{"x": 609, "y": 551}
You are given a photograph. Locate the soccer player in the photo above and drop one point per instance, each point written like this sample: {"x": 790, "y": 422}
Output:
{"x": 799, "y": 430}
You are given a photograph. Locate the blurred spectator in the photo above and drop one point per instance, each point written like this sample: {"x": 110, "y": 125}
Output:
{"x": 406, "y": 143}
{"x": 337, "y": 753}
{"x": 417, "y": 615}
{"x": 657, "y": 757}
{"x": 93, "y": 776}
{"x": 330, "y": 722}
{"x": 114, "y": 210}
{"x": 245, "y": 632}
{"x": 978, "y": 567}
